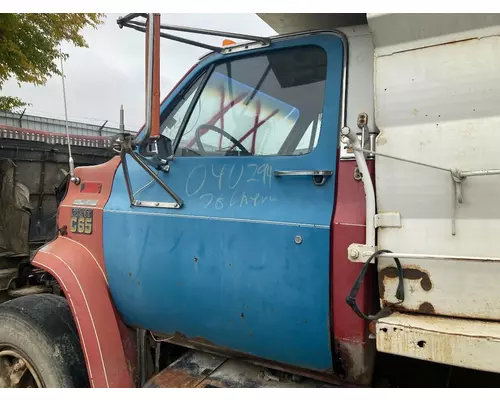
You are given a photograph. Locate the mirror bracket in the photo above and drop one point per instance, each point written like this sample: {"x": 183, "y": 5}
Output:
{"x": 126, "y": 145}
{"x": 158, "y": 153}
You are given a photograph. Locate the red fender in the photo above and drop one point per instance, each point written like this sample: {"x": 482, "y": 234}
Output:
{"x": 76, "y": 261}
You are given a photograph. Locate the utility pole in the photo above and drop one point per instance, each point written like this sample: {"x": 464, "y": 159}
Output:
{"x": 122, "y": 120}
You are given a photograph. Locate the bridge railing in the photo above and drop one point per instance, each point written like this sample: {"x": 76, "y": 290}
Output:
{"x": 10, "y": 132}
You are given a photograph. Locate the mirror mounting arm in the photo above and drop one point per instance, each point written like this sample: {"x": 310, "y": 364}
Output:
{"x": 127, "y": 146}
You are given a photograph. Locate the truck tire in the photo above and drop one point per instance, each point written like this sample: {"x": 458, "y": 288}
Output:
{"x": 39, "y": 344}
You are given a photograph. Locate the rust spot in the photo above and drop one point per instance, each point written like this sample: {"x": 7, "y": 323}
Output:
{"x": 209, "y": 383}
{"x": 426, "y": 308}
{"x": 345, "y": 366}
{"x": 196, "y": 343}
{"x": 450, "y": 43}
{"x": 242, "y": 316}
{"x": 350, "y": 365}
{"x": 63, "y": 230}
{"x": 381, "y": 286}
{"x": 202, "y": 340}
{"x": 180, "y": 338}
{"x": 343, "y": 362}
{"x": 173, "y": 378}
{"x": 411, "y": 272}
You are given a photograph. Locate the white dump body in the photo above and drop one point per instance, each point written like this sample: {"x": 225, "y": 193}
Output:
{"x": 437, "y": 101}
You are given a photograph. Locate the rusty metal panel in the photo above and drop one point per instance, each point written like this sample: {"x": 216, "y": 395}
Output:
{"x": 237, "y": 374}
{"x": 187, "y": 372}
{"x": 14, "y": 211}
{"x": 40, "y": 167}
{"x": 452, "y": 341}
{"x": 197, "y": 369}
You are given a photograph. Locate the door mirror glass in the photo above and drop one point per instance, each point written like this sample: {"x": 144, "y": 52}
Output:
{"x": 164, "y": 147}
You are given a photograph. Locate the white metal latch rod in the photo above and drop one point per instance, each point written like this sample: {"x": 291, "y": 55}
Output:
{"x": 367, "y": 184}
{"x": 439, "y": 257}
{"x": 457, "y": 176}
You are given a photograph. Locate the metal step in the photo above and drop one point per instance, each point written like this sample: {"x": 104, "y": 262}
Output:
{"x": 202, "y": 370}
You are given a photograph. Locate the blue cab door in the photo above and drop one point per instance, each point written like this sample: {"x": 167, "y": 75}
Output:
{"x": 245, "y": 263}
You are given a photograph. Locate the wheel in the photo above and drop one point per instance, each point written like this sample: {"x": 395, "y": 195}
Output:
{"x": 39, "y": 344}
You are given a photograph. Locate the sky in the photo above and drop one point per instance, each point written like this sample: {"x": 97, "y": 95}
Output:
{"x": 110, "y": 72}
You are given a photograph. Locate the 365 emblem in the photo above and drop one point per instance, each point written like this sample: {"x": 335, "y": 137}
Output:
{"x": 82, "y": 220}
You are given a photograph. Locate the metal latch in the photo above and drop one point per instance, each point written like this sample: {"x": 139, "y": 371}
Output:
{"x": 387, "y": 220}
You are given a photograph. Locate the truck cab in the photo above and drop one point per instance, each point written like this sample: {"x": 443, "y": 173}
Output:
{"x": 300, "y": 203}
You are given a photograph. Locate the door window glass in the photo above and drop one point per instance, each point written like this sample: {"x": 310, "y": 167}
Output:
{"x": 257, "y": 106}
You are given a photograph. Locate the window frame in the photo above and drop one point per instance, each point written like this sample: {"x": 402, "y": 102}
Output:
{"x": 197, "y": 80}
{"x": 206, "y": 72}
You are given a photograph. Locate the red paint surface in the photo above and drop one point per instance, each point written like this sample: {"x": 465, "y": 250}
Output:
{"x": 221, "y": 106}
{"x": 76, "y": 261}
{"x": 257, "y": 116}
{"x": 349, "y": 223}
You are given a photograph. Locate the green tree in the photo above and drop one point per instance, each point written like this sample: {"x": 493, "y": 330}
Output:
{"x": 30, "y": 47}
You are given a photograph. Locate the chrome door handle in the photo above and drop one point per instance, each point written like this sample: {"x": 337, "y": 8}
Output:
{"x": 319, "y": 176}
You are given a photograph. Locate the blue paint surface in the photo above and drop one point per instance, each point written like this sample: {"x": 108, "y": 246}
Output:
{"x": 225, "y": 266}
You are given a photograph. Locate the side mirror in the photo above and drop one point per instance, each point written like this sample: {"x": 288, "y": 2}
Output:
{"x": 164, "y": 146}
{"x": 160, "y": 152}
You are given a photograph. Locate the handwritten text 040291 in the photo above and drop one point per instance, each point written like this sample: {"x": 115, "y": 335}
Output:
{"x": 235, "y": 185}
